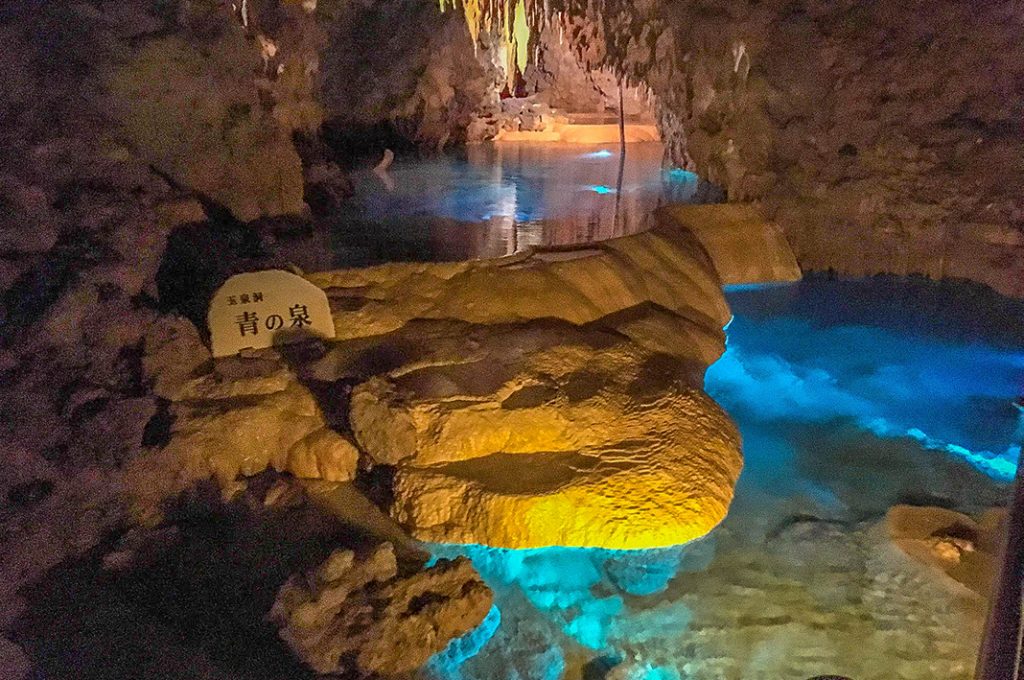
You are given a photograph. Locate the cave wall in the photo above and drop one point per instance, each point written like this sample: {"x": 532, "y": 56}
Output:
{"x": 406, "y": 65}
{"x": 882, "y": 136}
{"x": 122, "y": 122}
{"x": 559, "y": 76}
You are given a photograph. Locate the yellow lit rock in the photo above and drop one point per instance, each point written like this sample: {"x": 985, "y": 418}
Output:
{"x": 666, "y": 267}
{"x": 322, "y": 454}
{"x": 240, "y": 424}
{"x": 590, "y": 442}
{"x": 745, "y": 247}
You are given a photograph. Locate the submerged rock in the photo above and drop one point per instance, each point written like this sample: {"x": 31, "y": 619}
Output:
{"x": 359, "y": 616}
{"x": 949, "y": 542}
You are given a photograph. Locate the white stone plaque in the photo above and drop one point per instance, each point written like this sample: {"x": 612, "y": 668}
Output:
{"x": 263, "y": 309}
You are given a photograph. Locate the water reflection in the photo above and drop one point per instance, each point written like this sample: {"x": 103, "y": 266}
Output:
{"x": 492, "y": 200}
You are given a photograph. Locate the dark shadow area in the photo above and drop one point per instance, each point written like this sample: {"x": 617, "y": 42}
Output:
{"x": 197, "y": 261}
{"x": 195, "y": 606}
{"x": 32, "y": 293}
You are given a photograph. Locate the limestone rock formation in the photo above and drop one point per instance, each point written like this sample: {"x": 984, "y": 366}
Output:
{"x": 666, "y": 267}
{"x": 244, "y": 416}
{"x": 744, "y": 247}
{"x": 358, "y": 616}
{"x": 190, "y": 103}
{"x": 565, "y": 410}
{"x": 591, "y": 441}
{"x": 881, "y": 137}
{"x": 403, "y": 65}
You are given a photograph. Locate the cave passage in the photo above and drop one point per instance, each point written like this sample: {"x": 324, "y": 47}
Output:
{"x": 496, "y": 199}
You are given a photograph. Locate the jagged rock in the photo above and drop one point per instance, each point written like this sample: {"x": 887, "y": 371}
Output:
{"x": 247, "y": 416}
{"x": 838, "y": 124}
{"x": 327, "y": 188}
{"x": 595, "y": 428}
{"x": 359, "y": 616}
{"x": 189, "y": 103}
{"x": 323, "y": 454}
{"x": 425, "y": 77}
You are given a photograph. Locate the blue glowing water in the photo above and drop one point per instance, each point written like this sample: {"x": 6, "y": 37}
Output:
{"x": 851, "y": 397}
{"x": 491, "y": 200}
{"x": 874, "y": 356}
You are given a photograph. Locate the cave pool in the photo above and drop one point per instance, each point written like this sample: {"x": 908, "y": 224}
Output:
{"x": 852, "y": 396}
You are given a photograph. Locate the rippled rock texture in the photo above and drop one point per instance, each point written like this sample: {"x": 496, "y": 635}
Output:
{"x": 590, "y": 442}
{"x": 567, "y": 410}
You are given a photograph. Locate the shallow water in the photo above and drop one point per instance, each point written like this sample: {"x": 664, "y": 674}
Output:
{"x": 496, "y": 199}
{"x": 852, "y": 397}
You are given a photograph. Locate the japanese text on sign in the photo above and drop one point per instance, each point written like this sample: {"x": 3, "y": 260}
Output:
{"x": 262, "y": 309}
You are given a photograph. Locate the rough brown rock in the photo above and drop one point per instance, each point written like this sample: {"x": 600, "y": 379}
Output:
{"x": 882, "y": 137}
{"x": 359, "y": 616}
{"x": 243, "y": 417}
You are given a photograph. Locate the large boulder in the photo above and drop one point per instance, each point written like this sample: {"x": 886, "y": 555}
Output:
{"x": 358, "y": 616}
{"x": 585, "y": 440}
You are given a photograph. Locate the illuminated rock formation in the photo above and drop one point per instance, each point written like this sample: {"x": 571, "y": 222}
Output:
{"x": 744, "y": 247}
{"x": 242, "y": 418}
{"x": 592, "y": 441}
{"x": 513, "y": 429}
{"x": 666, "y": 267}
{"x": 360, "y": 617}
{"x": 551, "y": 399}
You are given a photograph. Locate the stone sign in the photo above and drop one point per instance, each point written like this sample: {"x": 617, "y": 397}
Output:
{"x": 263, "y": 309}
